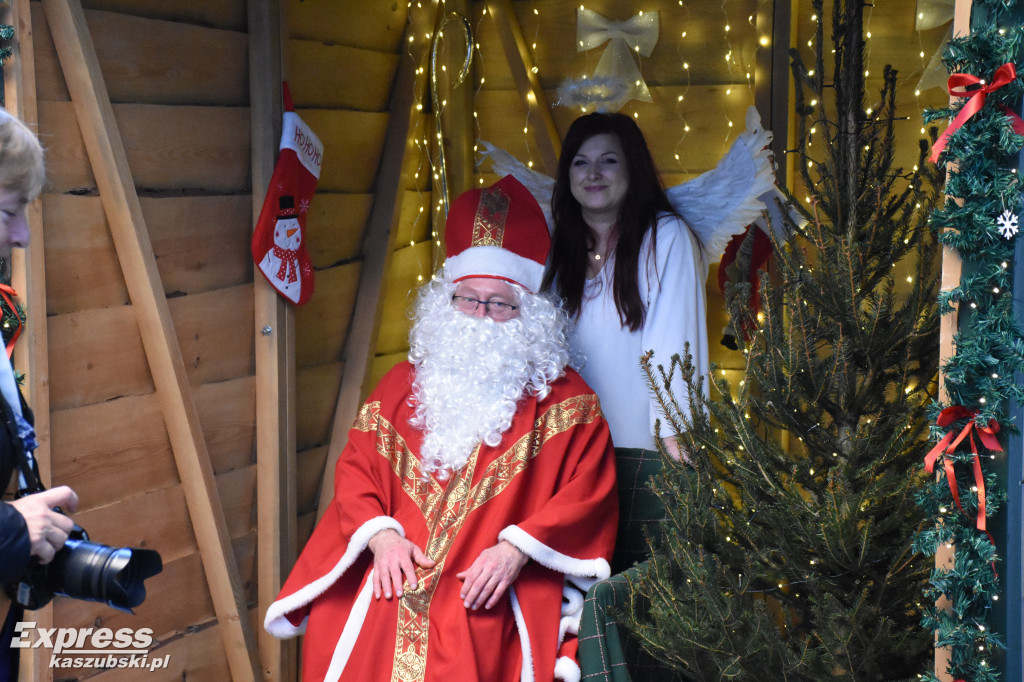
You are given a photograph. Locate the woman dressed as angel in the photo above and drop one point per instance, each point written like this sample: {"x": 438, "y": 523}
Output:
{"x": 630, "y": 260}
{"x": 631, "y": 273}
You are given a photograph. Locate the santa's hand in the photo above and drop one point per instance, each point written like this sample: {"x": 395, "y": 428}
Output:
{"x": 490, "y": 575}
{"x": 47, "y": 529}
{"x": 393, "y": 563}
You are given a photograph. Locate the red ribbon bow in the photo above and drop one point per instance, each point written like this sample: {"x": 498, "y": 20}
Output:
{"x": 6, "y": 293}
{"x": 948, "y": 445}
{"x": 957, "y": 86}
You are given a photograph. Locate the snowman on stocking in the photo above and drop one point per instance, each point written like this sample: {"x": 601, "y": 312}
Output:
{"x": 281, "y": 264}
{"x": 278, "y": 244}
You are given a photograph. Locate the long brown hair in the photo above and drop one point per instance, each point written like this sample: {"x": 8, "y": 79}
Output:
{"x": 573, "y": 238}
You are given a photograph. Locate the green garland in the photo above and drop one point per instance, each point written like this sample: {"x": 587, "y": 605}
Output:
{"x": 6, "y": 34}
{"x": 989, "y": 346}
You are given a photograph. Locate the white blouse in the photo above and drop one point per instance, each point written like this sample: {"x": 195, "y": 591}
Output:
{"x": 671, "y": 280}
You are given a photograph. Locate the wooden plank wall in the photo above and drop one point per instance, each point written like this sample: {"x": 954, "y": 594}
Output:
{"x": 340, "y": 61}
{"x": 177, "y": 77}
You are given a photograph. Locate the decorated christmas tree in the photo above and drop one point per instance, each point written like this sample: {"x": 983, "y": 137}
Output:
{"x": 786, "y": 554}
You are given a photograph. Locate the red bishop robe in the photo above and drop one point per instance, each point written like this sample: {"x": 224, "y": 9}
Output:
{"x": 548, "y": 488}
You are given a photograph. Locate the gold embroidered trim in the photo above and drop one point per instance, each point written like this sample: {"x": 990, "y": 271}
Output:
{"x": 491, "y": 216}
{"x": 367, "y": 416}
{"x": 446, "y": 507}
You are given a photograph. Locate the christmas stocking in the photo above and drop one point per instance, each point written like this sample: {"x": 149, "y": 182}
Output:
{"x": 279, "y": 242}
{"x": 747, "y": 254}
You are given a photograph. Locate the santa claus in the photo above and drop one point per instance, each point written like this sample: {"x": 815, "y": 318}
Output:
{"x": 476, "y": 493}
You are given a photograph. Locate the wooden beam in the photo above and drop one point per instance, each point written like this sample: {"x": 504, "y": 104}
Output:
{"x": 275, "y": 358}
{"x": 773, "y": 87}
{"x": 519, "y": 60}
{"x": 29, "y": 278}
{"x": 952, "y": 268}
{"x": 128, "y": 228}
{"x": 361, "y": 341}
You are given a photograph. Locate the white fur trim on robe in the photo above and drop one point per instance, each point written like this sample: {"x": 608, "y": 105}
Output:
{"x": 526, "y": 672}
{"x": 567, "y": 670}
{"x": 556, "y": 561}
{"x": 276, "y": 621}
{"x": 581, "y": 573}
{"x": 353, "y": 626}
{"x": 572, "y": 608}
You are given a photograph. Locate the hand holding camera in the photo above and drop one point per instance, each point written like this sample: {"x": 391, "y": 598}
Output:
{"x": 48, "y": 529}
{"x": 64, "y": 560}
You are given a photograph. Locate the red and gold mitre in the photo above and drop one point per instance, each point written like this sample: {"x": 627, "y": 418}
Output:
{"x": 498, "y": 232}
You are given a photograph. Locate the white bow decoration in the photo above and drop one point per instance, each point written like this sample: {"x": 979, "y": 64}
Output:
{"x": 930, "y": 14}
{"x": 637, "y": 34}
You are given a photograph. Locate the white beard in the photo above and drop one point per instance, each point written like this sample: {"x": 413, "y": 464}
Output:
{"x": 472, "y": 372}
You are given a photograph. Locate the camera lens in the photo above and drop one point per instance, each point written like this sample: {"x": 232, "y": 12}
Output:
{"x": 113, "y": 575}
{"x": 89, "y": 571}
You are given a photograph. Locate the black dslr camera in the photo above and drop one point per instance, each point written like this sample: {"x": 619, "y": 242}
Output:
{"x": 89, "y": 571}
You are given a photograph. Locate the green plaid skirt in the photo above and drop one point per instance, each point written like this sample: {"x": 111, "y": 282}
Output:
{"x": 607, "y": 651}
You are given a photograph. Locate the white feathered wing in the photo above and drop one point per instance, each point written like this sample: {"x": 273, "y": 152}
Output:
{"x": 720, "y": 203}
{"x": 539, "y": 185}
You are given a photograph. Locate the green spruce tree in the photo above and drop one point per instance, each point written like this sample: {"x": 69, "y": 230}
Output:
{"x": 786, "y": 554}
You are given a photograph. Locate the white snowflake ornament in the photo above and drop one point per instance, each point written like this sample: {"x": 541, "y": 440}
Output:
{"x": 1007, "y": 224}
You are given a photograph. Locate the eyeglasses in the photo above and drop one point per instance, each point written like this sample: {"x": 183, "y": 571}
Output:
{"x": 495, "y": 309}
